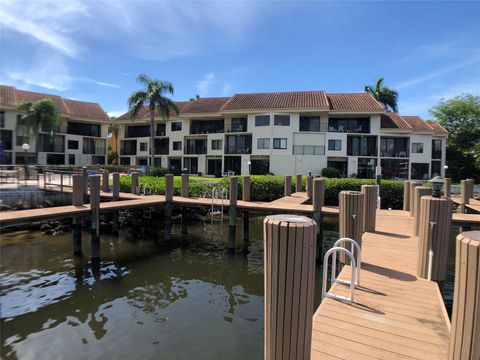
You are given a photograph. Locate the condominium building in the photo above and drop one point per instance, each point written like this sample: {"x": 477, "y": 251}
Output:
{"x": 287, "y": 133}
{"x": 80, "y": 139}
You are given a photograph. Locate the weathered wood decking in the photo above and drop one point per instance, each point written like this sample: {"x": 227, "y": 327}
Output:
{"x": 474, "y": 204}
{"x": 395, "y": 315}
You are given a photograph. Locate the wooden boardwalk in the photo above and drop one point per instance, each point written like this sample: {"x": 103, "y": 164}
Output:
{"x": 474, "y": 204}
{"x": 395, "y": 315}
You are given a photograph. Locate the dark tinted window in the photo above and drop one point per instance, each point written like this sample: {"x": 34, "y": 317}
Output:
{"x": 281, "y": 120}
{"x": 310, "y": 123}
{"x": 262, "y": 120}
{"x": 83, "y": 129}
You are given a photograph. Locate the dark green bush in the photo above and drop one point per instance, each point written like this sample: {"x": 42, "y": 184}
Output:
{"x": 330, "y": 172}
{"x": 158, "y": 171}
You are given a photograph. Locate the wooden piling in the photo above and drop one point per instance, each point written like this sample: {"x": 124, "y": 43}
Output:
{"x": 298, "y": 183}
{"x": 447, "y": 187}
{"x": 370, "y": 207}
{"x": 466, "y": 191}
{"x": 77, "y": 195}
{"x": 318, "y": 199}
{"x": 287, "y": 191}
{"x": 246, "y": 188}
{"x": 168, "y": 206}
{"x": 434, "y": 230}
{"x": 246, "y": 225}
{"x": 413, "y": 185}
{"x": 185, "y": 183}
{"x": 406, "y": 195}
{"x": 115, "y": 197}
{"x": 85, "y": 184}
{"x": 134, "y": 188}
{"x": 77, "y": 235}
{"x": 95, "y": 215}
{"x": 232, "y": 214}
{"x": 351, "y": 205}
{"x": 289, "y": 258}
{"x": 419, "y": 192}
{"x": 309, "y": 186}
{"x": 105, "y": 181}
{"x": 465, "y": 331}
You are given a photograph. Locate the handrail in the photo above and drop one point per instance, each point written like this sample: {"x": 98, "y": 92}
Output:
{"x": 334, "y": 251}
{"x": 357, "y": 252}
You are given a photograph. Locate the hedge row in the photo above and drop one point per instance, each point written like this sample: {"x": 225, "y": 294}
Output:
{"x": 270, "y": 187}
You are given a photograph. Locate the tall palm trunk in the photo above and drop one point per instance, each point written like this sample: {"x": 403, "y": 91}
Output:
{"x": 152, "y": 137}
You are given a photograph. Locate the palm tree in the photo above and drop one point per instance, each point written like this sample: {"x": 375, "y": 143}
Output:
{"x": 388, "y": 97}
{"x": 113, "y": 128}
{"x": 153, "y": 96}
{"x": 197, "y": 96}
{"x": 41, "y": 114}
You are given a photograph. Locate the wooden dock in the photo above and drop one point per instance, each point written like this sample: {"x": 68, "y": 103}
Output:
{"x": 395, "y": 315}
{"x": 474, "y": 204}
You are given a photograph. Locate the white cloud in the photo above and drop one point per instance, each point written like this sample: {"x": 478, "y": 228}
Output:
{"x": 96, "y": 82}
{"x": 116, "y": 113}
{"x": 226, "y": 89}
{"x": 204, "y": 84}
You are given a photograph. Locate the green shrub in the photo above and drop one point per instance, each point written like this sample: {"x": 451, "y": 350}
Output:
{"x": 330, "y": 172}
{"x": 158, "y": 171}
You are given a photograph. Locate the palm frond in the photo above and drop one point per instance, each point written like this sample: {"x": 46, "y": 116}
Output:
{"x": 136, "y": 102}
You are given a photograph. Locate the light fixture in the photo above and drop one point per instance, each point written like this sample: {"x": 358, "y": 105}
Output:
{"x": 26, "y": 147}
{"x": 437, "y": 184}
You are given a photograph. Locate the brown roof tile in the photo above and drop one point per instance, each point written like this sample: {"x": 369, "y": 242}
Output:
{"x": 11, "y": 96}
{"x": 278, "y": 100}
{"x": 391, "y": 120}
{"x": 437, "y": 128}
{"x": 353, "y": 101}
{"x": 417, "y": 123}
{"x": 206, "y": 105}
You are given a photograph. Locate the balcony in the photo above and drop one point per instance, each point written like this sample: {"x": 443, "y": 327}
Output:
{"x": 195, "y": 147}
{"x": 349, "y": 125}
{"x": 207, "y": 126}
{"x": 137, "y": 131}
{"x": 237, "y": 125}
{"x": 47, "y": 144}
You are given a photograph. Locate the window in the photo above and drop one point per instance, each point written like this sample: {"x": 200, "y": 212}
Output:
{"x": 260, "y": 166}
{"x": 281, "y": 120}
{"x": 134, "y": 131}
{"x": 436, "y": 149}
{"x": 177, "y": 145}
{"x": 196, "y": 146}
{"x": 72, "y": 144}
{"x": 6, "y": 139}
{"x": 310, "y": 123}
{"x": 263, "y": 143}
{"x": 362, "y": 145}
{"x": 239, "y": 144}
{"x": 279, "y": 143}
{"x": 308, "y": 150}
{"x": 335, "y": 145}
{"x": 2, "y": 119}
{"x": 98, "y": 160}
{"x": 128, "y": 147}
{"x": 262, "y": 120}
{"x": 176, "y": 126}
{"x": 124, "y": 161}
{"x": 239, "y": 124}
{"x": 394, "y": 147}
{"x": 84, "y": 129}
{"x": 47, "y": 144}
{"x": 420, "y": 171}
{"x": 71, "y": 159}
{"x": 22, "y": 140}
{"x": 161, "y": 130}
{"x": 216, "y": 144}
{"x": 161, "y": 146}
{"x": 55, "y": 159}
{"x": 436, "y": 168}
{"x": 143, "y": 146}
{"x": 349, "y": 125}
{"x": 417, "y": 148}
{"x": 366, "y": 168}
{"x": 5, "y": 157}
{"x": 394, "y": 169}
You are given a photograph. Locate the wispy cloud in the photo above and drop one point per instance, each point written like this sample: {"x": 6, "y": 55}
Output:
{"x": 96, "y": 82}
{"x": 204, "y": 84}
{"x": 226, "y": 89}
{"x": 436, "y": 73}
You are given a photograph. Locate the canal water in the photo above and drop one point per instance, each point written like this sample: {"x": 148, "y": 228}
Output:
{"x": 146, "y": 300}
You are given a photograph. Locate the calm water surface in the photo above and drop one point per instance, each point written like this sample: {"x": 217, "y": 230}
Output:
{"x": 146, "y": 299}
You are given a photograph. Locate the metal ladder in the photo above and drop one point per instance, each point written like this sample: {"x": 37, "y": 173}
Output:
{"x": 216, "y": 210}
{"x": 355, "y": 261}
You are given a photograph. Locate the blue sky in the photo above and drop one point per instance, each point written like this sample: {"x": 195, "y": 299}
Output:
{"x": 93, "y": 51}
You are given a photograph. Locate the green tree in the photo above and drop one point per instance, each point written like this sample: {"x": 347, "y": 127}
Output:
{"x": 114, "y": 128}
{"x": 388, "y": 97}
{"x": 461, "y": 117}
{"x": 41, "y": 114}
{"x": 197, "y": 96}
{"x": 153, "y": 96}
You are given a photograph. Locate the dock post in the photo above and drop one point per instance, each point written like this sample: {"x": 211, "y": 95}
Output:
{"x": 185, "y": 193}
{"x": 289, "y": 244}
{"x": 419, "y": 192}
{"x": 447, "y": 187}
{"x": 105, "y": 181}
{"x": 85, "y": 184}
{"x": 95, "y": 214}
{"x": 351, "y": 205}
{"x": 77, "y": 200}
{"x": 309, "y": 186}
{"x": 413, "y": 185}
{"x": 287, "y": 191}
{"x": 318, "y": 199}
{"x": 246, "y": 214}
{"x": 434, "y": 230}
{"x": 134, "y": 189}
{"x": 168, "y": 206}
{"x": 298, "y": 183}
{"x": 465, "y": 329}
{"x": 115, "y": 197}
{"x": 232, "y": 214}
{"x": 370, "y": 207}
{"x": 406, "y": 195}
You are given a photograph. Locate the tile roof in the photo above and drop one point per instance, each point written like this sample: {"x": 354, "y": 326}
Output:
{"x": 353, "y": 101}
{"x": 277, "y": 100}
{"x": 417, "y": 123}
{"x": 391, "y": 120}
{"x": 144, "y": 112}
{"x": 206, "y": 105}
{"x": 437, "y": 128}
{"x": 11, "y": 96}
